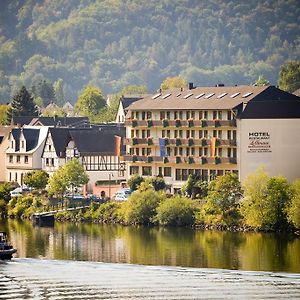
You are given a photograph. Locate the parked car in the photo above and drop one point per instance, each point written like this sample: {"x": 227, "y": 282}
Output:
{"x": 122, "y": 195}
{"x": 19, "y": 191}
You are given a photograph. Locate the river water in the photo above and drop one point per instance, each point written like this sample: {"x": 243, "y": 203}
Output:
{"x": 91, "y": 261}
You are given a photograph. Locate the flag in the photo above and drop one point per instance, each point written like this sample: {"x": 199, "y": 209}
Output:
{"x": 213, "y": 147}
{"x": 118, "y": 145}
{"x": 162, "y": 147}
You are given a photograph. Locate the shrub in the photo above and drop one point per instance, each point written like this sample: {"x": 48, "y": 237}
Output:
{"x": 263, "y": 206}
{"x": 293, "y": 207}
{"x": 108, "y": 212}
{"x": 134, "y": 181}
{"x": 140, "y": 208}
{"x": 176, "y": 211}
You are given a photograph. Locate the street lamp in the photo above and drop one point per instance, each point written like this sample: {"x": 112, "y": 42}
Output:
{"x": 109, "y": 185}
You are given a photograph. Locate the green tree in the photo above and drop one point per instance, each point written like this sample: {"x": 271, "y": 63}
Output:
{"x": 262, "y": 81}
{"x": 45, "y": 91}
{"x": 4, "y": 114}
{"x": 140, "y": 208}
{"x": 195, "y": 187}
{"x": 293, "y": 207}
{"x": 289, "y": 76}
{"x": 37, "y": 179}
{"x": 22, "y": 104}
{"x": 176, "y": 211}
{"x": 134, "y": 181}
{"x": 221, "y": 205}
{"x": 58, "y": 87}
{"x": 134, "y": 90}
{"x": 90, "y": 102}
{"x": 173, "y": 82}
{"x": 69, "y": 176}
{"x": 264, "y": 202}
{"x": 158, "y": 183}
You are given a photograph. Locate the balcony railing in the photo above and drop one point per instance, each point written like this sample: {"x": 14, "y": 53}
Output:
{"x": 180, "y": 123}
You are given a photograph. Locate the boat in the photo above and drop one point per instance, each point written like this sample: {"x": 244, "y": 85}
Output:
{"x": 6, "y": 249}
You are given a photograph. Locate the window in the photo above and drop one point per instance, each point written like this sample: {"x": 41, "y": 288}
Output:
{"x": 188, "y": 95}
{"x": 22, "y": 144}
{"x": 222, "y": 95}
{"x": 180, "y": 115}
{"x": 209, "y": 95}
{"x": 175, "y": 115}
{"x": 168, "y": 115}
{"x": 234, "y": 95}
{"x": 163, "y": 133}
{"x": 26, "y": 159}
{"x": 10, "y": 158}
{"x": 229, "y": 134}
{"x": 188, "y": 114}
{"x": 162, "y": 115}
{"x": 220, "y": 134}
{"x": 229, "y": 152}
{"x": 200, "y": 114}
{"x": 148, "y": 133}
{"x": 180, "y": 133}
{"x": 193, "y": 151}
{"x": 229, "y": 115}
{"x": 9, "y": 176}
{"x": 247, "y": 94}
{"x": 200, "y": 95}
{"x": 215, "y": 133}
{"x": 205, "y": 114}
{"x": 167, "y": 171}
{"x": 168, "y": 151}
{"x": 234, "y": 152}
{"x": 200, "y": 134}
{"x": 165, "y": 96}
{"x": 134, "y": 170}
{"x": 220, "y": 172}
{"x": 147, "y": 171}
{"x": 200, "y": 151}
{"x": 47, "y": 161}
{"x": 220, "y": 115}
{"x": 16, "y": 177}
{"x": 187, "y": 151}
{"x": 215, "y": 114}
{"x": 12, "y": 144}
{"x": 149, "y": 115}
{"x": 18, "y": 159}
{"x": 52, "y": 161}
{"x": 180, "y": 151}
{"x": 234, "y": 134}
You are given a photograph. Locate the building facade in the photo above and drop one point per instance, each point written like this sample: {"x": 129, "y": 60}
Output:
{"x": 205, "y": 131}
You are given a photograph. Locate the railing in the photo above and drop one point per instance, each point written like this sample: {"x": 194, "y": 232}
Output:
{"x": 180, "y": 123}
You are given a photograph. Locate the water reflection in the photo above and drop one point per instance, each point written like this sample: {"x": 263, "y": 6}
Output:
{"x": 156, "y": 246}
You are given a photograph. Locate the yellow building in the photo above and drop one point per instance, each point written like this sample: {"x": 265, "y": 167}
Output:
{"x": 198, "y": 130}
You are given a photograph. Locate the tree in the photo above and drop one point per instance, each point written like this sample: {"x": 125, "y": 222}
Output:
{"x": 58, "y": 87}
{"x": 158, "y": 183}
{"x": 36, "y": 179}
{"x": 265, "y": 199}
{"x": 134, "y": 181}
{"x": 90, "y": 102}
{"x": 22, "y": 104}
{"x": 289, "y": 76}
{"x": 134, "y": 89}
{"x": 176, "y": 211}
{"x": 45, "y": 91}
{"x": 293, "y": 207}
{"x": 173, "y": 82}
{"x": 4, "y": 114}
{"x": 262, "y": 81}
{"x": 140, "y": 208}
{"x": 221, "y": 205}
{"x": 68, "y": 176}
{"x": 195, "y": 187}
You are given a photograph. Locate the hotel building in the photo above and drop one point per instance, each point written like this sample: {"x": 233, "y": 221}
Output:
{"x": 212, "y": 130}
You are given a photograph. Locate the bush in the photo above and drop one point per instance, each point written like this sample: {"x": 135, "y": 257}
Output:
{"x": 176, "y": 211}
{"x": 108, "y": 212}
{"x": 263, "y": 206}
{"x": 140, "y": 208}
{"x": 24, "y": 206}
{"x": 134, "y": 181}
{"x": 293, "y": 207}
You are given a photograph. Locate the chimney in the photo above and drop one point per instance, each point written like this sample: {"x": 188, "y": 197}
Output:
{"x": 220, "y": 84}
{"x": 190, "y": 86}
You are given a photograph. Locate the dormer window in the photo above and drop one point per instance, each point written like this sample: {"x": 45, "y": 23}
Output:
{"x": 22, "y": 144}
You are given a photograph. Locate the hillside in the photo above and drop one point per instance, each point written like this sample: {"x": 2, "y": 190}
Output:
{"x": 114, "y": 43}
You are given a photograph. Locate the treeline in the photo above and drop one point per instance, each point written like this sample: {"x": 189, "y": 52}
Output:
{"x": 115, "y": 43}
{"x": 261, "y": 203}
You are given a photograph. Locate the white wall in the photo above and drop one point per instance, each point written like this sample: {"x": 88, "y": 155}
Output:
{"x": 280, "y": 153}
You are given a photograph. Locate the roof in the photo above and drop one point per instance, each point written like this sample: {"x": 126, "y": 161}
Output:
{"x": 93, "y": 142}
{"x": 262, "y": 101}
{"x": 221, "y": 97}
{"x": 16, "y": 120}
{"x": 59, "y": 121}
{"x": 31, "y": 136}
{"x": 60, "y": 138}
{"x": 129, "y": 99}
{"x": 98, "y": 138}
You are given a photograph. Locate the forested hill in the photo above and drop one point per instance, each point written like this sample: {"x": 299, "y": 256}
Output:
{"x": 114, "y": 43}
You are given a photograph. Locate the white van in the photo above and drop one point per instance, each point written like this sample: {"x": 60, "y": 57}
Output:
{"x": 122, "y": 195}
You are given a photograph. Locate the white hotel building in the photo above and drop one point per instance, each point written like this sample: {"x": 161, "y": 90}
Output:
{"x": 211, "y": 130}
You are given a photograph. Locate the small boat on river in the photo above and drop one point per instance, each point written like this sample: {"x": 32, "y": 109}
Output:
{"x": 6, "y": 249}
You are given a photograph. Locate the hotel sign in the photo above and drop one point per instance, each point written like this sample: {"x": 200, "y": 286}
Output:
{"x": 259, "y": 142}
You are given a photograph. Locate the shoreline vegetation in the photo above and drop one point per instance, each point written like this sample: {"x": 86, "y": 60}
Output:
{"x": 262, "y": 203}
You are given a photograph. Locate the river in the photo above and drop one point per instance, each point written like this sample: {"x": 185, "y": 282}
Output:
{"x": 92, "y": 261}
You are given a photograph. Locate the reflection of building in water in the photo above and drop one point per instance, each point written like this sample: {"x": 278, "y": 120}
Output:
{"x": 212, "y": 130}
